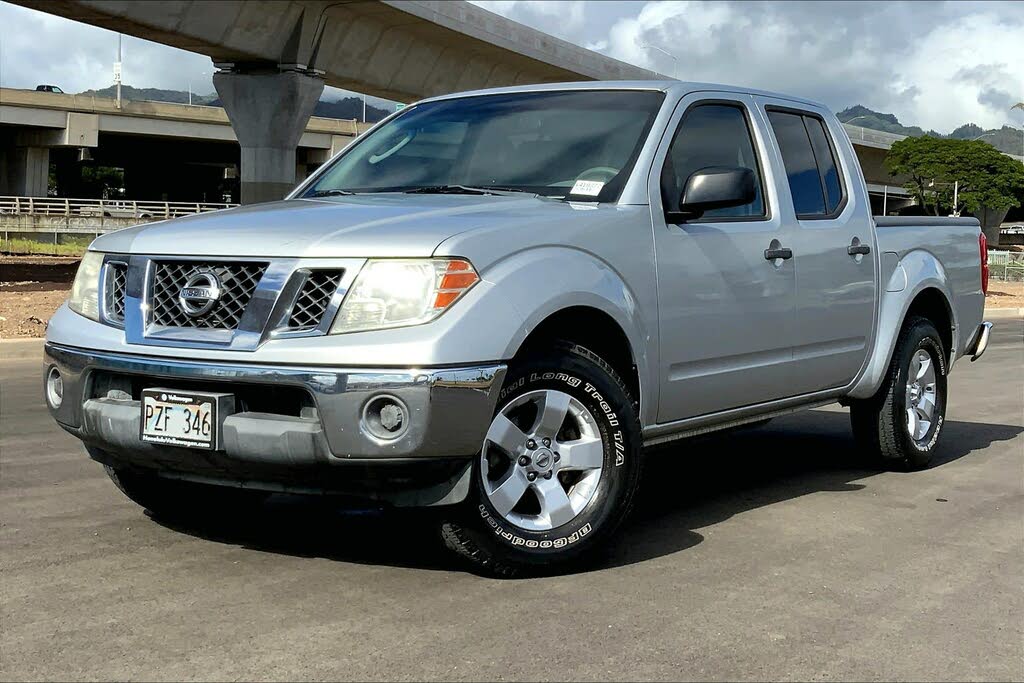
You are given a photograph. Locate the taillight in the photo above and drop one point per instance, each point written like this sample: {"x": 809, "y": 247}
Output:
{"x": 983, "y": 246}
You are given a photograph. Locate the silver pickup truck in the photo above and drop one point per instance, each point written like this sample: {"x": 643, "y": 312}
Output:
{"x": 494, "y": 300}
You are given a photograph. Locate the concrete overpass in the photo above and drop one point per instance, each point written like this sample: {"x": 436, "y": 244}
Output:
{"x": 274, "y": 58}
{"x": 169, "y": 151}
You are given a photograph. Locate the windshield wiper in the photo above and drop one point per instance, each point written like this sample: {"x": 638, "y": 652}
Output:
{"x": 329, "y": 193}
{"x": 466, "y": 189}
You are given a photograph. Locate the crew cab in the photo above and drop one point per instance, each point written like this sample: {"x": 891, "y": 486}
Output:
{"x": 494, "y": 300}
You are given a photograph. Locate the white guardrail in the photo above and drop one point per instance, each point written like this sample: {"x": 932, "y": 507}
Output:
{"x": 106, "y": 208}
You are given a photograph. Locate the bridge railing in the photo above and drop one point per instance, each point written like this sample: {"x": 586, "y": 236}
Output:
{"x": 104, "y": 208}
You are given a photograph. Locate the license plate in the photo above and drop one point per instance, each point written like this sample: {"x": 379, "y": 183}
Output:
{"x": 178, "y": 418}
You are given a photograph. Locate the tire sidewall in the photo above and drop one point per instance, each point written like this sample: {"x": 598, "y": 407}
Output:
{"x": 922, "y": 337}
{"x": 586, "y": 381}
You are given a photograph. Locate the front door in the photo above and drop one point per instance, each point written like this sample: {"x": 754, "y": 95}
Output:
{"x": 726, "y": 311}
{"x": 833, "y": 247}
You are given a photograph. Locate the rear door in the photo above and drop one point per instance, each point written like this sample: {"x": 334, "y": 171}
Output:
{"x": 833, "y": 247}
{"x": 726, "y": 312}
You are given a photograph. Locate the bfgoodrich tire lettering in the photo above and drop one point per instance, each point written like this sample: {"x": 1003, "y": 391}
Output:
{"x": 886, "y": 425}
{"x": 507, "y": 540}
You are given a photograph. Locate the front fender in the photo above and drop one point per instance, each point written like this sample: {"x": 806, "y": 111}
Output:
{"x": 540, "y": 282}
{"x": 917, "y": 271}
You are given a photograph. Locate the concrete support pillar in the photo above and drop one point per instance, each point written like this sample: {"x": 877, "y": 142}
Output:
{"x": 28, "y": 171}
{"x": 268, "y": 112}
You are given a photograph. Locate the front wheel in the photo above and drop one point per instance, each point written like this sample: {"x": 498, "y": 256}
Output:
{"x": 901, "y": 424}
{"x": 558, "y": 469}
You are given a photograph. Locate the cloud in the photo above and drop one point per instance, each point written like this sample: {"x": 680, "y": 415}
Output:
{"x": 935, "y": 68}
{"x": 927, "y": 67}
{"x": 42, "y": 48}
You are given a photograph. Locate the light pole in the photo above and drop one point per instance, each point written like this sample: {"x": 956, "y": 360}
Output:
{"x": 675, "y": 60}
{"x": 862, "y": 116}
{"x": 117, "y": 71}
{"x": 1020, "y": 105}
{"x": 201, "y": 73}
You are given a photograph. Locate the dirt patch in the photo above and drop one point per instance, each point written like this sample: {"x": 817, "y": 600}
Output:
{"x": 1005, "y": 294}
{"x": 25, "y": 314}
{"x": 31, "y": 289}
{"x": 56, "y": 270}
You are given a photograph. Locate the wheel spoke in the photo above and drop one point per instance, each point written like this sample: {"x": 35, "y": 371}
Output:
{"x": 915, "y": 368}
{"x": 923, "y": 424}
{"x": 582, "y": 454}
{"x": 924, "y": 363}
{"x": 551, "y": 414}
{"x": 509, "y": 492}
{"x": 554, "y": 502}
{"x": 912, "y": 422}
{"x": 927, "y": 403}
{"x": 505, "y": 434}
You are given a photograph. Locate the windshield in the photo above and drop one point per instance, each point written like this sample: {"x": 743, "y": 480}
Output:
{"x": 579, "y": 144}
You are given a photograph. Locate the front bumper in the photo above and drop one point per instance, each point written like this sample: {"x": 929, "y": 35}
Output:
{"x": 448, "y": 413}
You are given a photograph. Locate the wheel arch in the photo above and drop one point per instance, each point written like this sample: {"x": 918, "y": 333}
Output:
{"x": 593, "y": 329}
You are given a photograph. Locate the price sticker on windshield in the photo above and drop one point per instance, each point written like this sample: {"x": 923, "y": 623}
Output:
{"x": 587, "y": 188}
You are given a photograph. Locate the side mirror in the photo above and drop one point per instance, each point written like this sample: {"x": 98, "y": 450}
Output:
{"x": 714, "y": 187}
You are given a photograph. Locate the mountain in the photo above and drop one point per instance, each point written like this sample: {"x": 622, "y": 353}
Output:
{"x": 347, "y": 108}
{"x": 1005, "y": 139}
{"x": 151, "y": 94}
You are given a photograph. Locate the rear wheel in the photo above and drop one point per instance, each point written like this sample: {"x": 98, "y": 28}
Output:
{"x": 558, "y": 469}
{"x": 172, "y": 498}
{"x": 901, "y": 424}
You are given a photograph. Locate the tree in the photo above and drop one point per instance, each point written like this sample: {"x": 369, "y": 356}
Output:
{"x": 987, "y": 178}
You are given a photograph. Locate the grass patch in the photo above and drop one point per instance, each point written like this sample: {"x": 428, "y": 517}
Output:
{"x": 67, "y": 246}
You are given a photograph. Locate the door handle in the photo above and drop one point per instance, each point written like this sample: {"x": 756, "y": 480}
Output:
{"x": 858, "y": 250}
{"x": 779, "y": 253}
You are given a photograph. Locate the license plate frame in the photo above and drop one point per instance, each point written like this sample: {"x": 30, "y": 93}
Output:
{"x": 172, "y": 407}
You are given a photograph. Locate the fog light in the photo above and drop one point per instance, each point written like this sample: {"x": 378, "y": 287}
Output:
{"x": 385, "y": 417}
{"x": 54, "y": 388}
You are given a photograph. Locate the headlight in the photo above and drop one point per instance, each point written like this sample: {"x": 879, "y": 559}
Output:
{"x": 85, "y": 293}
{"x": 400, "y": 292}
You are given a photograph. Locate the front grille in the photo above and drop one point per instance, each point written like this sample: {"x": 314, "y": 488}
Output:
{"x": 314, "y": 299}
{"x": 238, "y": 281}
{"x": 114, "y": 290}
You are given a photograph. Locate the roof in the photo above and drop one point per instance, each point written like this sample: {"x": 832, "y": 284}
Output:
{"x": 667, "y": 86}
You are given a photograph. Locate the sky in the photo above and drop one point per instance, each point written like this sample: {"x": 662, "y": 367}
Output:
{"x": 933, "y": 64}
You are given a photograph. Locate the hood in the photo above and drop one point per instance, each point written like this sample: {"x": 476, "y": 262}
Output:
{"x": 385, "y": 225}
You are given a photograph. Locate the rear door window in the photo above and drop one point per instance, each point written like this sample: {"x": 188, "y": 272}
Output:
{"x": 810, "y": 161}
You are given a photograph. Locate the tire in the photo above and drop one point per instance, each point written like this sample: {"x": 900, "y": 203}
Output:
{"x": 575, "y": 491}
{"x": 172, "y": 498}
{"x": 882, "y": 424}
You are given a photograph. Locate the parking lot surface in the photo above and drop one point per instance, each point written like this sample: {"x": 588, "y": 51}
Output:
{"x": 769, "y": 553}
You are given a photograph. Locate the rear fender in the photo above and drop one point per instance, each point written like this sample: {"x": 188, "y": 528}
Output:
{"x": 917, "y": 271}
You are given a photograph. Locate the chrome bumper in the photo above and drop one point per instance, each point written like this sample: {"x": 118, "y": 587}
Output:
{"x": 979, "y": 341}
{"x": 448, "y": 411}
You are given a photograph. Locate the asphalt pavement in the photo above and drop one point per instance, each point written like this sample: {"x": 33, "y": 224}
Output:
{"x": 770, "y": 553}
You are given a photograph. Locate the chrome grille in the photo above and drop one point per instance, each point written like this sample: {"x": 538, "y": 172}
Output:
{"x": 114, "y": 291}
{"x": 314, "y": 299}
{"x": 238, "y": 281}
